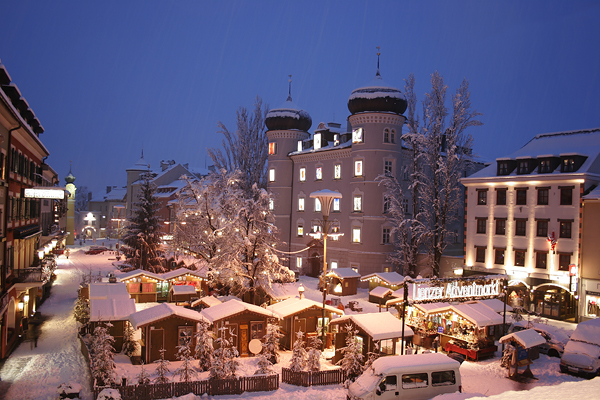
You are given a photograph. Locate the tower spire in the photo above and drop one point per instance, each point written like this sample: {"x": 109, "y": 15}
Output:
{"x": 378, "y": 54}
{"x": 290, "y": 89}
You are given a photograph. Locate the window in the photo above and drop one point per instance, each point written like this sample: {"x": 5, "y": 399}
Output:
{"x": 564, "y": 260}
{"x": 319, "y": 173}
{"x": 386, "y": 346}
{"x": 357, "y": 135}
{"x": 523, "y": 167}
{"x": 334, "y": 265}
{"x": 299, "y": 263}
{"x": 386, "y": 204}
{"x": 271, "y": 205}
{"x": 272, "y": 148}
{"x": 357, "y": 203}
{"x": 317, "y": 205}
{"x": 412, "y": 381}
{"x": 337, "y": 171}
{"x": 355, "y": 235}
{"x": 358, "y": 168}
{"x": 521, "y": 227}
{"x": 541, "y": 259}
{"x": 499, "y": 256}
{"x": 386, "y": 135}
{"x": 565, "y": 229}
{"x": 387, "y": 167}
{"x": 300, "y": 230}
{"x": 481, "y": 197}
{"x": 302, "y": 174}
{"x": 545, "y": 167}
{"x": 520, "y": 258}
{"x": 568, "y": 165}
{"x": 501, "y": 197}
{"x": 300, "y": 203}
{"x": 480, "y": 254}
{"x": 336, "y": 205}
{"x": 272, "y": 175}
{"x": 185, "y": 335}
{"x": 566, "y": 196}
{"x": 405, "y": 205}
{"x": 500, "y": 226}
{"x": 443, "y": 378}
{"x": 542, "y": 199}
{"x": 521, "y": 197}
{"x": 481, "y": 223}
{"x": 317, "y": 141}
{"x": 392, "y": 136}
{"x": 385, "y": 236}
{"x": 300, "y": 145}
{"x": 257, "y": 330}
{"x": 542, "y": 228}
{"x": 503, "y": 168}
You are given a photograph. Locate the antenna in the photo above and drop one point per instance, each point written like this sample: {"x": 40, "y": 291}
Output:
{"x": 378, "y": 54}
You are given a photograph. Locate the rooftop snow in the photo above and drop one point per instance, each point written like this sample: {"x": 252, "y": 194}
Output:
{"x": 139, "y": 272}
{"x": 384, "y": 365}
{"x": 208, "y": 301}
{"x": 381, "y": 292}
{"x": 295, "y": 305}
{"x": 390, "y": 278}
{"x": 342, "y": 273}
{"x": 108, "y": 290}
{"x": 231, "y": 308}
{"x": 114, "y": 309}
{"x": 182, "y": 271}
{"x": 377, "y": 325}
{"x": 161, "y": 311}
{"x": 526, "y": 338}
{"x": 183, "y": 289}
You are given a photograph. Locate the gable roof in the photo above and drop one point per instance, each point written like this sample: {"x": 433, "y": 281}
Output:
{"x": 381, "y": 291}
{"x": 162, "y": 311}
{"x": 114, "y": 309}
{"x": 291, "y": 306}
{"x": 377, "y": 325}
{"x": 234, "y": 307}
{"x": 208, "y": 301}
{"x": 343, "y": 273}
{"x": 183, "y": 289}
{"x": 108, "y": 290}
{"x": 387, "y": 278}
{"x": 526, "y": 338}
{"x": 183, "y": 271}
{"x": 138, "y": 272}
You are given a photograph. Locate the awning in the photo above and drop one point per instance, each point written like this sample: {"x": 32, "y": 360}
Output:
{"x": 26, "y": 231}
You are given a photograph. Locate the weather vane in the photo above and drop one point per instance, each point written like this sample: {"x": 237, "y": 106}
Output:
{"x": 378, "y": 54}
{"x": 290, "y": 88}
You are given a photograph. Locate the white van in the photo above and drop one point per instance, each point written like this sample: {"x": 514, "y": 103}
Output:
{"x": 582, "y": 353}
{"x": 411, "y": 377}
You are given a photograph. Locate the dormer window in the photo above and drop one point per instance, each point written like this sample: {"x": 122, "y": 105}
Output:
{"x": 545, "y": 167}
{"x": 523, "y": 167}
{"x": 300, "y": 146}
{"x": 505, "y": 167}
{"x": 568, "y": 165}
{"x": 571, "y": 163}
{"x": 317, "y": 141}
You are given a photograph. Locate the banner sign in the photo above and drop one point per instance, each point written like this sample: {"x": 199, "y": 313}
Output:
{"x": 45, "y": 193}
{"x": 456, "y": 290}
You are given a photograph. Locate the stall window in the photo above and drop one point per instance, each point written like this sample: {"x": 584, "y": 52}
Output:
{"x": 185, "y": 335}
{"x": 541, "y": 258}
{"x": 542, "y": 228}
{"x": 564, "y": 260}
{"x": 565, "y": 229}
{"x": 386, "y": 346}
{"x": 566, "y": 196}
{"x": 412, "y": 381}
{"x": 257, "y": 330}
{"x": 501, "y": 197}
{"x": 443, "y": 378}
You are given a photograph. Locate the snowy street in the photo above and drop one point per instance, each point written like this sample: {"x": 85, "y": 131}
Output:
{"x": 35, "y": 373}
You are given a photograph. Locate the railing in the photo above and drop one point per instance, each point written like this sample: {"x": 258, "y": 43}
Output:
{"x": 29, "y": 275}
{"x": 211, "y": 387}
{"x": 316, "y": 378}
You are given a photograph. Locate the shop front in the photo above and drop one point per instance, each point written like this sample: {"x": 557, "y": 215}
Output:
{"x": 554, "y": 301}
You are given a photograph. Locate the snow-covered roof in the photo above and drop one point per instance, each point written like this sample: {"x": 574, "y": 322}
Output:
{"x": 526, "y": 338}
{"x": 474, "y": 311}
{"x": 183, "y": 289}
{"x": 208, "y": 301}
{"x": 114, "y": 309}
{"x": 343, "y": 273}
{"x": 388, "y": 278}
{"x": 233, "y": 307}
{"x": 588, "y": 332}
{"x": 381, "y": 291}
{"x": 282, "y": 291}
{"x": 183, "y": 271}
{"x": 432, "y": 307}
{"x": 496, "y": 305}
{"x": 375, "y": 89}
{"x": 161, "y": 311}
{"x": 108, "y": 291}
{"x": 289, "y": 307}
{"x": 139, "y": 272}
{"x": 384, "y": 365}
{"x": 593, "y": 195}
{"x": 379, "y": 326}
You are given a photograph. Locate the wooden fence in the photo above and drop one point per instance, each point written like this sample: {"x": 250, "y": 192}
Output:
{"x": 308, "y": 378}
{"x": 212, "y": 387}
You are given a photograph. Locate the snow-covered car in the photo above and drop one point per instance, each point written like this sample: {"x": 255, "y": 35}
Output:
{"x": 96, "y": 250}
{"x": 582, "y": 352}
{"x": 555, "y": 342}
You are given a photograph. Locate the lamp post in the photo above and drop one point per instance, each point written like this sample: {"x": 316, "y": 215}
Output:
{"x": 325, "y": 197}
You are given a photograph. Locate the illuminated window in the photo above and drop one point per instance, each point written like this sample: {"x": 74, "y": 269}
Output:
{"x": 300, "y": 231}
{"x": 337, "y": 171}
{"x": 317, "y": 141}
{"x": 300, "y": 203}
{"x": 272, "y": 148}
{"x": 272, "y": 175}
{"x": 357, "y": 203}
{"x": 299, "y": 263}
{"x": 300, "y": 145}
{"x": 334, "y": 264}
{"x": 568, "y": 165}
{"x": 545, "y": 167}
{"x": 271, "y": 204}
{"x": 317, "y": 205}
{"x": 358, "y": 168}
{"x": 357, "y": 135}
{"x": 336, "y": 205}
{"x": 302, "y": 174}
{"x": 565, "y": 229}
{"x": 355, "y": 235}
{"x": 319, "y": 173}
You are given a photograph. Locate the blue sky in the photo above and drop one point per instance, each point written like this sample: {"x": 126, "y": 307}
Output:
{"x": 107, "y": 78}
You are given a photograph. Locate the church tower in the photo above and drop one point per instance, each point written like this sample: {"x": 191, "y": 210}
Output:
{"x": 70, "y": 187}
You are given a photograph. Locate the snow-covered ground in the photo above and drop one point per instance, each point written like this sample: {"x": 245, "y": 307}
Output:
{"x": 36, "y": 373}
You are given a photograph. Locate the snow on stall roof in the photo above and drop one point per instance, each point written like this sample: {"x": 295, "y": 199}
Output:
{"x": 379, "y": 326}
{"x": 161, "y": 311}
{"x": 478, "y": 314}
{"x": 183, "y": 289}
{"x": 342, "y": 273}
{"x": 526, "y": 338}
{"x": 114, "y": 309}
{"x": 182, "y": 271}
{"x": 282, "y": 291}
{"x": 108, "y": 290}
{"x": 381, "y": 291}
{"x": 139, "y": 272}
{"x": 383, "y": 365}
{"x": 588, "y": 332}
{"x": 391, "y": 278}
{"x": 231, "y": 308}
{"x": 295, "y": 305}
{"x": 208, "y": 301}
{"x": 431, "y": 307}
{"x": 496, "y": 305}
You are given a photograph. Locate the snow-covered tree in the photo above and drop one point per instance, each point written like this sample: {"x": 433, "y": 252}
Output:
{"x": 233, "y": 231}
{"x": 352, "y": 361}
{"x": 82, "y": 310}
{"x": 246, "y": 149}
{"x": 372, "y": 355}
{"x": 270, "y": 345}
{"x": 142, "y": 233}
{"x": 265, "y": 367}
{"x": 143, "y": 378}
{"x": 102, "y": 355}
{"x": 225, "y": 363}
{"x": 162, "y": 368}
{"x": 130, "y": 344}
{"x": 204, "y": 346}
{"x": 313, "y": 354}
{"x": 82, "y": 196}
{"x": 298, "y": 360}
{"x": 186, "y": 372}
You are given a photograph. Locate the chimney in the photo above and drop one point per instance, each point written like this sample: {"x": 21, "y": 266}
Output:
{"x": 108, "y": 189}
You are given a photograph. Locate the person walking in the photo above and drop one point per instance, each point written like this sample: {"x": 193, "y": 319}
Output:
{"x": 67, "y": 252}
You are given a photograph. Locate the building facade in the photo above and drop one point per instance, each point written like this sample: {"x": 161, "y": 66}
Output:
{"x": 524, "y": 219}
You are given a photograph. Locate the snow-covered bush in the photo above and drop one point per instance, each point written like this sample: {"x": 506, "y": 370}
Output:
{"x": 186, "y": 372}
{"x": 298, "y": 360}
{"x": 162, "y": 368}
{"x": 265, "y": 367}
{"x": 130, "y": 344}
{"x": 270, "y": 345}
{"x": 352, "y": 362}
{"x": 102, "y": 355}
{"x": 109, "y": 394}
{"x": 313, "y": 355}
{"x": 69, "y": 390}
{"x": 204, "y": 346}
{"x": 82, "y": 311}
{"x": 224, "y": 363}
{"x": 143, "y": 378}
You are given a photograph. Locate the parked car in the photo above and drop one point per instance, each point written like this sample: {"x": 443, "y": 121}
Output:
{"x": 96, "y": 250}
{"x": 555, "y": 342}
{"x": 582, "y": 352}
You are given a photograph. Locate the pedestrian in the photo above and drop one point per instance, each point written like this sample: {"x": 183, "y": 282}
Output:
{"x": 67, "y": 252}
{"x": 436, "y": 343}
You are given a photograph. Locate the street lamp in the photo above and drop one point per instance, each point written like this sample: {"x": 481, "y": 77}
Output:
{"x": 325, "y": 197}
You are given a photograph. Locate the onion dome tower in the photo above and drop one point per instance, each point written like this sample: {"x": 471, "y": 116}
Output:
{"x": 288, "y": 116}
